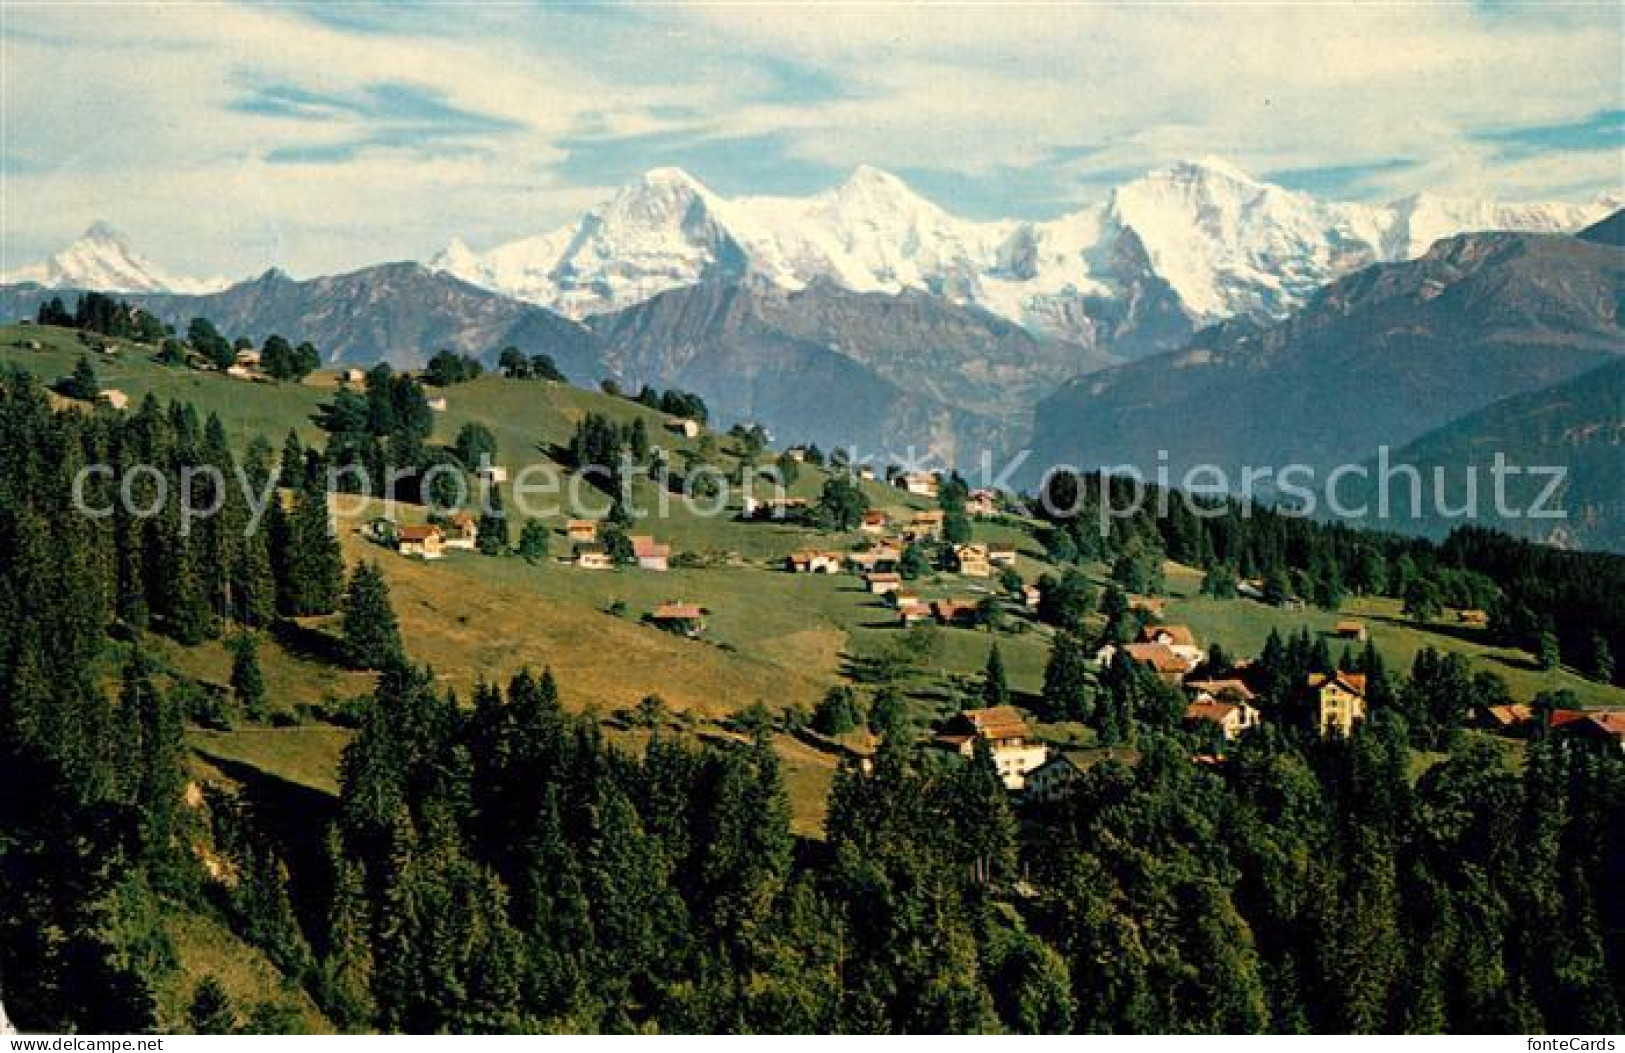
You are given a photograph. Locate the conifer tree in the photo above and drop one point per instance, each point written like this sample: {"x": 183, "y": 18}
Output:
{"x": 210, "y": 1011}
{"x": 247, "y": 681}
{"x": 372, "y": 637}
{"x": 995, "y": 688}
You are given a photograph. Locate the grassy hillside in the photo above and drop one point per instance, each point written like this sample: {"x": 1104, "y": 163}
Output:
{"x": 774, "y": 640}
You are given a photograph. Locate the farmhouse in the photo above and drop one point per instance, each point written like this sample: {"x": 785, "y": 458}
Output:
{"x": 463, "y": 531}
{"x": 1006, "y": 734}
{"x": 1340, "y": 698}
{"x": 1508, "y": 719}
{"x": 920, "y": 484}
{"x": 954, "y": 612}
{"x": 239, "y": 371}
{"x": 422, "y": 541}
{"x": 926, "y": 525}
{"x": 581, "y": 530}
{"x": 1162, "y": 660}
{"x": 874, "y": 521}
{"x": 1231, "y": 718}
{"x": 972, "y": 561}
{"x": 912, "y": 612}
{"x": 882, "y": 583}
{"x": 593, "y": 556}
{"x": 813, "y": 562}
{"x": 1351, "y": 630}
{"x": 685, "y": 619}
{"x": 1228, "y": 689}
{"x": 1001, "y": 553}
{"x": 1177, "y": 638}
{"x": 650, "y": 554}
{"x": 1604, "y": 729}
{"x": 982, "y": 503}
{"x": 248, "y": 357}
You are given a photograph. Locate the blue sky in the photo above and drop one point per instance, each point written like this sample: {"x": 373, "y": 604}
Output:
{"x": 228, "y": 138}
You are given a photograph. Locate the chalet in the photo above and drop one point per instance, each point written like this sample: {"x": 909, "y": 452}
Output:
{"x": 1007, "y": 737}
{"x": 972, "y": 561}
{"x": 650, "y": 554}
{"x": 581, "y": 530}
{"x": 912, "y": 611}
{"x": 113, "y": 398}
{"x": 1030, "y": 595}
{"x": 425, "y": 542}
{"x": 881, "y": 558}
{"x": 248, "y": 357}
{"x": 1231, "y": 718}
{"x": 902, "y": 597}
{"x": 353, "y": 376}
{"x": 1177, "y": 638}
{"x": 685, "y": 619}
{"x": 1604, "y": 729}
{"x": 1001, "y": 553}
{"x": 926, "y": 525}
{"x": 239, "y": 371}
{"x": 1340, "y": 698}
{"x": 1473, "y": 616}
{"x": 954, "y": 612}
{"x": 982, "y": 503}
{"x": 874, "y": 521}
{"x": 797, "y": 454}
{"x": 1053, "y": 780}
{"x": 593, "y": 556}
{"x": 438, "y": 403}
{"x": 463, "y": 531}
{"x": 813, "y": 562}
{"x": 866, "y": 472}
{"x": 1351, "y": 630}
{"x": 1228, "y": 689}
{"x": 1159, "y": 657}
{"x": 684, "y": 426}
{"x": 882, "y": 583}
{"x": 920, "y": 484}
{"x": 1511, "y": 719}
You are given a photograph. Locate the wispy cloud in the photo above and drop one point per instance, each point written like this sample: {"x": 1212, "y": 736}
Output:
{"x": 320, "y": 136}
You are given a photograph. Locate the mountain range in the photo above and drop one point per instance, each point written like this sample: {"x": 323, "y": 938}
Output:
{"x": 1198, "y": 311}
{"x": 1378, "y": 358}
{"x": 1182, "y": 247}
{"x": 1202, "y": 240}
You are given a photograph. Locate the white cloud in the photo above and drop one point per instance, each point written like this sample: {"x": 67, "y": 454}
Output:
{"x": 134, "y": 114}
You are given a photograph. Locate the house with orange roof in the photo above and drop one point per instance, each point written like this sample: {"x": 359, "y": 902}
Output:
{"x": 813, "y": 561}
{"x": 424, "y": 542}
{"x": 649, "y": 553}
{"x": 684, "y": 619}
{"x": 1008, "y": 739}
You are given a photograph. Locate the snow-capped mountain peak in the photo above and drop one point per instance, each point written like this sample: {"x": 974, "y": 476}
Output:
{"x": 1221, "y": 241}
{"x": 103, "y": 259}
